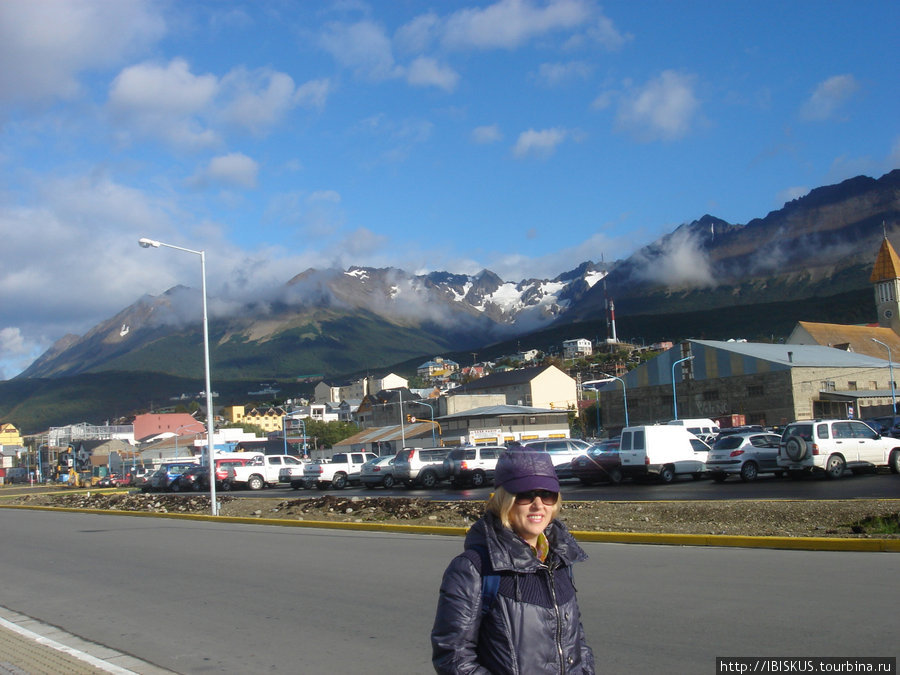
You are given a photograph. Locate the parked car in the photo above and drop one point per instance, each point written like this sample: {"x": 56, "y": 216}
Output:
{"x": 162, "y": 478}
{"x": 473, "y": 464}
{"x": 600, "y": 463}
{"x": 422, "y": 467}
{"x": 744, "y": 454}
{"x": 832, "y": 446}
{"x": 562, "y": 452}
{"x": 702, "y": 427}
{"x": 662, "y": 450}
{"x": 197, "y": 478}
{"x": 886, "y": 426}
{"x": 378, "y": 472}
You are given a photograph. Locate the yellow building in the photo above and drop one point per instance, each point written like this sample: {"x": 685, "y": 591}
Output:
{"x": 268, "y": 419}
{"x": 9, "y": 435}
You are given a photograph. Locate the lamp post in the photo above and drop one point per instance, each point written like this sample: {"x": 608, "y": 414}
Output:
{"x": 210, "y": 416}
{"x": 891, "y": 366}
{"x": 431, "y": 408}
{"x": 674, "y": 395}
{"x": 183, "y": 426}
{"x": 609, "y": 378}
{"x": 284, "y": 431}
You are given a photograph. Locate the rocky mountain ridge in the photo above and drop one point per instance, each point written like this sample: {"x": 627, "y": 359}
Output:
{"x": 334, "y": 321}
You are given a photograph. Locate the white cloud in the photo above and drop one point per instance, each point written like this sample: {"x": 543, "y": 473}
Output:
{"x": 46, "y": 45}
{"x": 508, "y": 24}
{"x": 427, "y": 72}
{"x": 680, "y": 261}
{"x": 663, "y": 109}
{"x": 538, "y": 143}
{"x": 232, "y": 170}
{"x": 257, "y": 100}
{"x": 165, "y": 102}
{"x": 363, "y": 47}
{"x": 555, "y": 74}
{"x": 829, "y": 96}
{"x": 487, "y": 134}
{"x": 314, "y": 93}
{"x": 417, "y": 35}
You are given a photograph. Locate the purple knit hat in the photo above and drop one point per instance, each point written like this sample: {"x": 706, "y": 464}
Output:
{"x": 520, "y": 469}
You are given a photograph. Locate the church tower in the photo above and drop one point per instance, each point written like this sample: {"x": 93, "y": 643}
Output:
{"x": 886, "y": 277}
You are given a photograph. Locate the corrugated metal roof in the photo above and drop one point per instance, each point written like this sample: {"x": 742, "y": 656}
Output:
{"x": 499, "y": 410}
{"x": 798, "y": 355}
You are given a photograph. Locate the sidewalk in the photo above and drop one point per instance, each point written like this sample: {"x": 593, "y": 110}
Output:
{"x": 29, "y": 647}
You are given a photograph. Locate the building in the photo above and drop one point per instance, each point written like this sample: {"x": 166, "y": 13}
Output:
{"x": 576, "y": 349}
{"x": 769, "y": 384}
{"x": 438, "y": 368}
{"x": 164, "y": 424}
{"x": 538, "y": 387}
{"x": 9, "y": 435}
{"x": 267, "y": 419}
{"x": 502, "y": 424}
{"x": 357, "y": 389}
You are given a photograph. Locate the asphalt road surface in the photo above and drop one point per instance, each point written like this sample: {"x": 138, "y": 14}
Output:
{"x": 204, "y": 597}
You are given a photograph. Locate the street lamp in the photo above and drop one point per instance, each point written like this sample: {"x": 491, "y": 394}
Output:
{"x": 609, "y": 378}
{"x": 891, "y": 366}
{"x": 431, "y": 408}
{"x": 210, "y": 416}
{"x": 674, "y": 395}
{"x": 284, "y": 431}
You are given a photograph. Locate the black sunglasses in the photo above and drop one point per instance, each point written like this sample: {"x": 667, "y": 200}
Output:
{"x": 549, "y": 498}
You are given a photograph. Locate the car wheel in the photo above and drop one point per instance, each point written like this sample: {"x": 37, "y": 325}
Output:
{"x": 339, "y": 482}
{"x": 226, "y": 486}
{"x": 388, "y": 482}
{"x": 175, "y": 487}
{"x": 749, "y": 472}
{"x": 719, "y": 476}
{"x": 895, "y": 461}
{"x": 835, "y": 466}
{"x": 615, "y": 475}
{"x": 255, "y": 482}
{"x": 666, "y": 474}
{"x": 478, "y": 479}
{"x": 795, "y": 447}
{"x": 429, "y": 479}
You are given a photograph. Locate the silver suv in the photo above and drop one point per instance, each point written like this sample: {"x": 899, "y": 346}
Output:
{"x": 833, "y": 446}
{"x": 562, "y": 452}
{"x": 746, "y": 455}
{"x": 473, "y": 464}
{"x": 420, "y": 466}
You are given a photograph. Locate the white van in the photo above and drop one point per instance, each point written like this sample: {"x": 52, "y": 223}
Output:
{"x": 703, "y": 428}
{"x": 662, "y": 450}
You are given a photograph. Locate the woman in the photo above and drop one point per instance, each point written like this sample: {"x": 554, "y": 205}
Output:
{"x": 507, "y": 603}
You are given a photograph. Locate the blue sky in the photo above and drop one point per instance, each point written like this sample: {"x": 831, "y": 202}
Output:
{"x": 522, "y": 136}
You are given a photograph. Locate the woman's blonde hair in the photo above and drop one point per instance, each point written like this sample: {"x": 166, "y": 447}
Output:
{"x": 501, "y": 502}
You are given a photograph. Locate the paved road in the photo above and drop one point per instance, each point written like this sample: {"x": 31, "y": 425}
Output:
{"x": 215, "y": 597}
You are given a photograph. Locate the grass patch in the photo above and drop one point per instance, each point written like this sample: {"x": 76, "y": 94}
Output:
{"x": 877, "y": 525}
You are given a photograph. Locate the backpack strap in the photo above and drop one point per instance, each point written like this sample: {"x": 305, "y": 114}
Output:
{"x": 490, "y": 580}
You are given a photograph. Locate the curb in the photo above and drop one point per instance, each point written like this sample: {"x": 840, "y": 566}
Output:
{"x": 868, "y": 545}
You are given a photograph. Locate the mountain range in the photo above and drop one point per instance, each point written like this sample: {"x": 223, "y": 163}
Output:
{"x": 331, "y": 322}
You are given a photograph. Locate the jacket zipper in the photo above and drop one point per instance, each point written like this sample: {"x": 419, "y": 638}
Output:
{"x": 559, "y": 649}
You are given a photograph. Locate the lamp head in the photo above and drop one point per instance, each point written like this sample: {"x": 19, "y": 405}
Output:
{"x": 148, "y": 243}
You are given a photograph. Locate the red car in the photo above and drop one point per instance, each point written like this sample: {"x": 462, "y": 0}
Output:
{"x": 599, "y": 464}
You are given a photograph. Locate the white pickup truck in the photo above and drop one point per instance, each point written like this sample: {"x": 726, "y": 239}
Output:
{"x": 343, "y": 469}
{"x": 263, "y": 470}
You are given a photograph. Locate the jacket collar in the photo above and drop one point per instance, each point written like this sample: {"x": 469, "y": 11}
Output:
{"x": 508, "y": 552}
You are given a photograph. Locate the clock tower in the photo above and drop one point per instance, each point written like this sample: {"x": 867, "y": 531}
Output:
{"x": 886, "y": 278}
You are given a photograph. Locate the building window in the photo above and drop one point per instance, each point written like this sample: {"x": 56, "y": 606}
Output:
{"x": 873, "y": 385}
{"x": 851, "y": 385}
{"x": 755, "y": 390}
{"x": 828, "y": 385}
